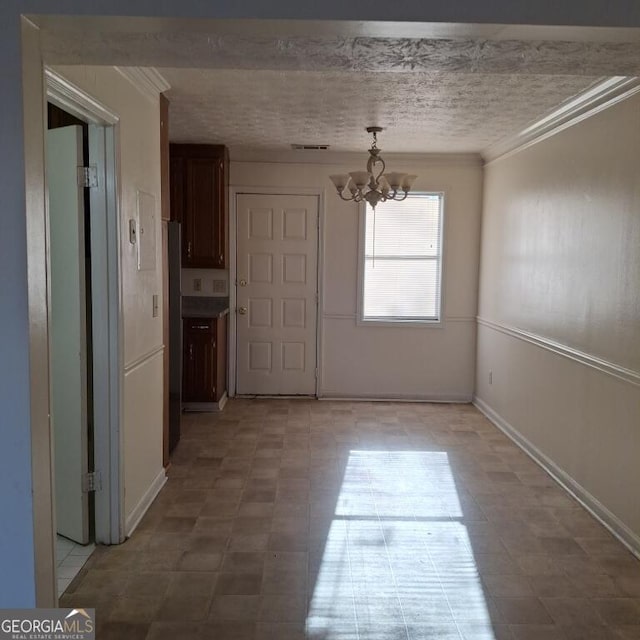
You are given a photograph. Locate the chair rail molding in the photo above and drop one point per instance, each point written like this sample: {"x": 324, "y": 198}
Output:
{"x": 604, "y": 366}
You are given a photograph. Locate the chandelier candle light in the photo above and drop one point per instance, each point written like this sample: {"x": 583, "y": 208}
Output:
{"x": 374, "y": 188}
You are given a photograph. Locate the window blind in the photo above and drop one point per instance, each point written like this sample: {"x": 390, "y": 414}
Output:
{"x": 402, "y": 259}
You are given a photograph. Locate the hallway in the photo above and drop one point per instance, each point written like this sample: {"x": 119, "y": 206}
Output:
{"x": 337, "y": 520}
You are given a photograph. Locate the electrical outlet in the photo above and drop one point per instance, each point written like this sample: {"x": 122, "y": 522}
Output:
{"x": 197, "y": 284}
{"x": 490, "y": 377}
{"x": 219, "y": 286}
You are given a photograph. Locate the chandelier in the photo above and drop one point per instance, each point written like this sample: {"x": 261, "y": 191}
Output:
{"x": 370, "y": 186}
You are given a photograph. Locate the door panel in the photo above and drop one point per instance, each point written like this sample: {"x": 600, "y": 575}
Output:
{"x": 277, "y": 294}
{"x": 68, "y": 338}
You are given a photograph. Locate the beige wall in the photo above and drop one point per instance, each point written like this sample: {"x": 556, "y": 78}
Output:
{"x": 434, "y": 363}
{"x": 560, "y": 294}
{"x": 139, "y": 170}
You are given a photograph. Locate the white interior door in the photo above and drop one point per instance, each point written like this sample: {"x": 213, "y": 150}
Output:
{"x": 68, "y": 338}
{"x": 277, "y": 285}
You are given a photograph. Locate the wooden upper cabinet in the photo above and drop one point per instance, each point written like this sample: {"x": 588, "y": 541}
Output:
{"x": 199, "y": 185}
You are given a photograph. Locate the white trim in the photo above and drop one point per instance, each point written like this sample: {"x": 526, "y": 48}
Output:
{"x": 604, "y": 366}
{"x": 460, "y": 319}
{"x": 147, "y": 80}
{"x": 133, "y": 519}
{"x": 330, "y": 315}
{"x": 321, "y": 243}
{"x": 233, "y": 318}
{"x": 71, "y": 98}
{"x": 234, "y": 192}
{"x": 618, "y": 528}
{"x": 107, "y": 335}
{"x": 138, "y": 362}
{"x": 457, "y": 398}
{"x": 116, "y": 320}
{"x": 339, "y": 316}
{"x": 108, "y": 325}
{"x": 206, "y": 407}
{"x": 598, "y": 97}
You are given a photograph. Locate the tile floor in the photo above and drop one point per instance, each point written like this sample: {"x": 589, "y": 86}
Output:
{"x": 285, "y": 520}
{"x": 70, "y": 558}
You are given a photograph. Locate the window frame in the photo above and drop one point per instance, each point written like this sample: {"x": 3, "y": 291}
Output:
{"x": 425, "y": 323}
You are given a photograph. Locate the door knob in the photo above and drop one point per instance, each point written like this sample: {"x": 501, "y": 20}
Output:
{"x": 242, "y": 311}
{"x": 243, "y": 283}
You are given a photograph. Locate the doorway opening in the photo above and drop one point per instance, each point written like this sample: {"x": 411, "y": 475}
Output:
{"x": 71, "y": 344}
{"x": 84, "y": 324}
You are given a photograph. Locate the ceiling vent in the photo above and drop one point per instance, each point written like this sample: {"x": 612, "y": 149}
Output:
{"x": 310, "y": 147}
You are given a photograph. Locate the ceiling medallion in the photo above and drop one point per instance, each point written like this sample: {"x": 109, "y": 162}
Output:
{"x": 374, "y": 188}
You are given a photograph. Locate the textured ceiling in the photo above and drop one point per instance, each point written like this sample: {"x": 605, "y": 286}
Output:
{"x": 267, "y": 84}
{"x": 326, "y": 51}
{"x": 421, "y": 112}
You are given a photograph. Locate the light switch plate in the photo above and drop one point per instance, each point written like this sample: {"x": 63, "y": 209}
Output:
{"x": 197, "y": 284}
{"x": 155, "y": 305}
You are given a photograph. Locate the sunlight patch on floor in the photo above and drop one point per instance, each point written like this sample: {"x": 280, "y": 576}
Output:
{"x": 398, "y": 562}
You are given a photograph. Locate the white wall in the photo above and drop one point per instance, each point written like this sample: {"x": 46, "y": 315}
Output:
{"x": 139, "y": 170}
{"x": 429, "y": 362}
{"x": 560, "y": 306}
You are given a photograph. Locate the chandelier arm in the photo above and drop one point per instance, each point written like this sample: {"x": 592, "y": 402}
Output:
{"x": 346, "y": 199}
{"x": 382, "y": 162}
{"x": 370, "y": 162}
{"x": 404, "y": 197}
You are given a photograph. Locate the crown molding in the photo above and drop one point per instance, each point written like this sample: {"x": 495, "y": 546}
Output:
{"x": 147, "y": 80}
{"x": 600, "y": 96}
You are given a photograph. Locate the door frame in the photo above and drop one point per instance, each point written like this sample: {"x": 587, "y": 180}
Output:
{"x": 106, "y": 300}
{"x": 234, "y": 192}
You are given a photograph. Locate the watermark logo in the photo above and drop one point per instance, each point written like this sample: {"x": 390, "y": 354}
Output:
{"x": 47, "y": 624}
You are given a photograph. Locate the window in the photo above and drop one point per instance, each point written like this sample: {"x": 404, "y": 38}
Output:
{"x": 402, "y": 260}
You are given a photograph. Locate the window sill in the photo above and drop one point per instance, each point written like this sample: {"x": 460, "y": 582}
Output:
{"x": 401, "y": 324}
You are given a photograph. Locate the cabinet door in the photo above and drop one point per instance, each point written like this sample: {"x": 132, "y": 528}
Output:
{"x": 204, "y": 201}
{"x": 199, "y": 364}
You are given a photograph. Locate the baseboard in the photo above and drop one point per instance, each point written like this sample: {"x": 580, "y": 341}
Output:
{"x": 133, "y": 519}
{"x": 205, "y": 407}
{"x": 462, "y": 398}
{"x": 618, "y": 528}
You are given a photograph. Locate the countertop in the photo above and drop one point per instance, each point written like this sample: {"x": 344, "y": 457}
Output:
{"x": 204, "y": 307}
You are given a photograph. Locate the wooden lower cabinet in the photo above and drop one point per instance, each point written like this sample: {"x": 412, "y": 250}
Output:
{"x": 204, "y": 359}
